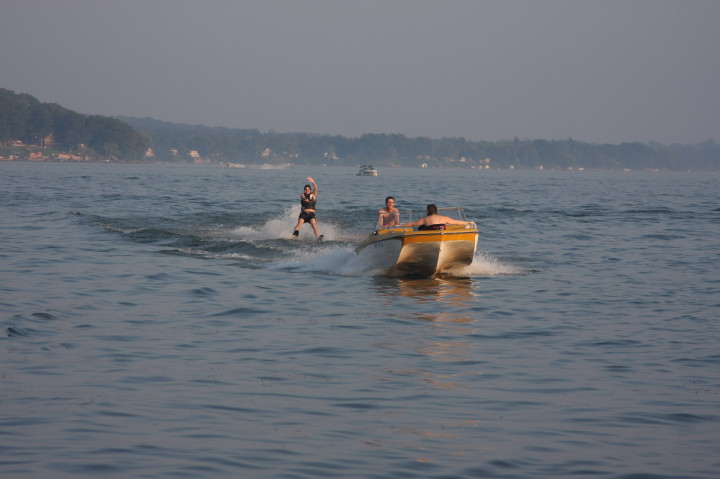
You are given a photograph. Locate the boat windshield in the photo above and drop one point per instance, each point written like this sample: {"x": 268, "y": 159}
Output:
{"x": 407, "y": 216}
{"x": 390, "y": 220}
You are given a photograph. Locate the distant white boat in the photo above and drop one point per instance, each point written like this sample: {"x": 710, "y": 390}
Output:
{"x": 235, "y": 165}
{"x": 367, "y": 170}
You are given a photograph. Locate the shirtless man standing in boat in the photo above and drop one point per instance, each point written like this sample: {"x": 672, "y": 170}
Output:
{"x": 433, "y": 219}
{"x": 389, "y": 216}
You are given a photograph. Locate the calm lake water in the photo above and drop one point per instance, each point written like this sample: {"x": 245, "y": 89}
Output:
{"x": 157, "y": 322}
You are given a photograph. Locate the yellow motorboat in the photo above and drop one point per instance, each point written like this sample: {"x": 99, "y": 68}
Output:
{"x": 421, "y": 252}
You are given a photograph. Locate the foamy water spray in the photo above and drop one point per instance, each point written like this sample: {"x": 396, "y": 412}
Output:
{"x": 281, "y": 227}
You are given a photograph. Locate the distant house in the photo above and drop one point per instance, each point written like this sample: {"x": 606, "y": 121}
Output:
{"x": 66, "y": 157}
{"x": 47, "y": 142}
{"x": 197, "y": 159}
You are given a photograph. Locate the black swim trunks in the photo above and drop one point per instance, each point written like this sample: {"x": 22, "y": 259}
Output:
{"x": 307, "y": 216}
{"x": 431, "y": 227}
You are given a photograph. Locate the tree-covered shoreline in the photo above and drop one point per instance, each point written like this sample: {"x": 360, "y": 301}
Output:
{"x": 27, "y": 124}
{"x": 25, "y": 121}
{"x": 250, "y": 146}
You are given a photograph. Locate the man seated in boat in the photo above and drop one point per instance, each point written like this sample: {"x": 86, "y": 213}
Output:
{"x": 434, "y": 221}
{"x": 389, "y": 215}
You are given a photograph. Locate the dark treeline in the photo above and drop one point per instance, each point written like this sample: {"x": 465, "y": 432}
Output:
{"x": 252, "y": 146}
{"x": 24, "y": 118}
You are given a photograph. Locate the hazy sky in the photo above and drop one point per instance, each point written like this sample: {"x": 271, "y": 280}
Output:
{"x": 596, "y": 70}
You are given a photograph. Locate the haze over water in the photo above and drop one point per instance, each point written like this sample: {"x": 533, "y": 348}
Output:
{"x": 158, "y": 322}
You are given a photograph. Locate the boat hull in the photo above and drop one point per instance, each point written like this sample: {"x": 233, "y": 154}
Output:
{"x": 404, "y": 252}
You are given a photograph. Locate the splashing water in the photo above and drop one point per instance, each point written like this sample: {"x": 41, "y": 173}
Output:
{"x": 282, "y": 226}
{"x": 270, "y": 245}
{"x": 486, "y": 265}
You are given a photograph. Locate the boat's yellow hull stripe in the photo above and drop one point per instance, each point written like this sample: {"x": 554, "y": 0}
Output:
{"x": 435, "y": 236}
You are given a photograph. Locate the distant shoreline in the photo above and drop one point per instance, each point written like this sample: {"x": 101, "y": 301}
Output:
{"x": 265, "y": 166}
